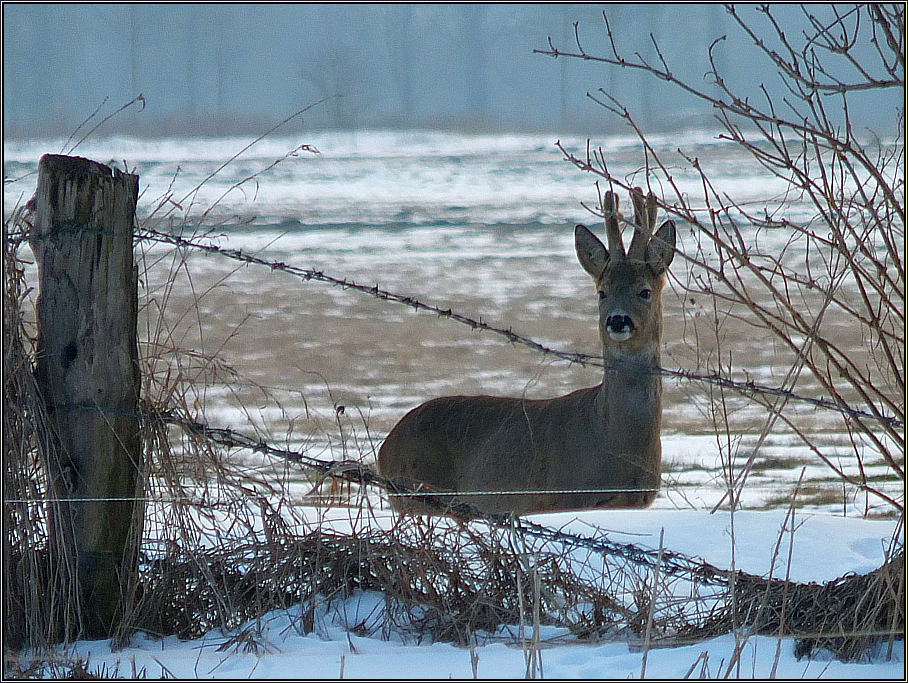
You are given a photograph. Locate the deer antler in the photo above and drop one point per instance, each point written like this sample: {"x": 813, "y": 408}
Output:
{"x": 645, "y": 211}
{"x": 613, "y": 225}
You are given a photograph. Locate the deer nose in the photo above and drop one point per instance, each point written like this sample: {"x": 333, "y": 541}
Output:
{"x": 619, "y": 327}
{"x": 619, "y": 323}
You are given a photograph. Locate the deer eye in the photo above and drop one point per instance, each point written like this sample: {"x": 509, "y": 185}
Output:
{"x": 601, "y": 295}
{"x": 645, "y": 293}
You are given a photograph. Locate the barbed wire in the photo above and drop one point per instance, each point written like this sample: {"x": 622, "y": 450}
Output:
{"x": 334, "y": 468}
{"x": 668, "y": 562}
{"x": 748, "y": 389}
{"x": 350, "y": 471}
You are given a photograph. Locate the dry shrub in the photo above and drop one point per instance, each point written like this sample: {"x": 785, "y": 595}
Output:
{"x": 429, "y": 589}
{"x": 816, "y": 270}
{"x": 222, "y": 545}
{"x": 849, "y": 616}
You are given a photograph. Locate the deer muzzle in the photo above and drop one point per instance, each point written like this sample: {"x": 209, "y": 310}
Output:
{"x": 620, "y": 327}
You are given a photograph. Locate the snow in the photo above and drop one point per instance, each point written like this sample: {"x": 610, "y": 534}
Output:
{"x": 275, "y": 646}
{"x": 384, "y": 197}
{"x": 376, "y": 177}
{"x": 287, "y": 655}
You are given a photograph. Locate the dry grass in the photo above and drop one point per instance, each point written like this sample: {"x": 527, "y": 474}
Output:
{"x": 38, "y": 612}
{"x": 220, "y": 545}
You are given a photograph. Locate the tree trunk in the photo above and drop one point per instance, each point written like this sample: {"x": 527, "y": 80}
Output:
{"x": 88, "y": 374}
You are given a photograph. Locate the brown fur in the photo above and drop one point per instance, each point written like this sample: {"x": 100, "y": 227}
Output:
{"x": 594, "y": 448}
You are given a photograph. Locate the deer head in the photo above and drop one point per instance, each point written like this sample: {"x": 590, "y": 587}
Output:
{"x": 629, "y": 283}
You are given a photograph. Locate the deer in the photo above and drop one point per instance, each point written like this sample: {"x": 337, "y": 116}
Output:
{"x": 598, "y": 447}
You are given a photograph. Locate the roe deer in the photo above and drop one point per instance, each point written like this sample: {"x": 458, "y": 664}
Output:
{"x": 594, "y": 448}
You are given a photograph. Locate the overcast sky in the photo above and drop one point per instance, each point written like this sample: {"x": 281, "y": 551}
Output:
{"x": 215, "y": 69}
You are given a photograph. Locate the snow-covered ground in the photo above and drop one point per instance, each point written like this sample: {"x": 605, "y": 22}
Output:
{"x": 275, "y": 646}
{"x": 483, "y": 225}
{"x": 333, "y": 653}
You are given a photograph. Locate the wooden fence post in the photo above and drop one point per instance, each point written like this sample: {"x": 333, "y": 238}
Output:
{"x": 88, "y": 374}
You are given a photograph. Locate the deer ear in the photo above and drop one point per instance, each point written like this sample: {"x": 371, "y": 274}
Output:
{"x": 661, "y": 248}
{"x": 591, "y": 253}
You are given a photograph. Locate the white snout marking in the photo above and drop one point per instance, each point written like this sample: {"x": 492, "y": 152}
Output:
{"x": 619, "y": 336}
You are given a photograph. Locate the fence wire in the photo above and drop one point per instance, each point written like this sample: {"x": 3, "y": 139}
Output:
{"x": 349, "y": 471}
{"x": 748, "y": 389}
{"x": 596, "y": 587}
{"x": 202, "y": 586}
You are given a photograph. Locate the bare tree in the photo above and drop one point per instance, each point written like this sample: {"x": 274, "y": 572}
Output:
{"x": 801, "y": 277}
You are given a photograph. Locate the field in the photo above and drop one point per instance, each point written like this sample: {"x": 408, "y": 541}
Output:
{"x": 274, "y": 569}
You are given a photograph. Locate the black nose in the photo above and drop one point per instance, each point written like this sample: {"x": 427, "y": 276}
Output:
{"x": 619, "y": 323}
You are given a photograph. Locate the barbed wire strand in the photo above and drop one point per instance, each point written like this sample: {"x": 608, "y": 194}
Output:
{"x": 749, "y": 389}
{"x": 354, "y": 472}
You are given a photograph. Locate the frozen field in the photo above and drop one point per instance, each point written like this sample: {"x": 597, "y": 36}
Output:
{"x": 484, "y": 226}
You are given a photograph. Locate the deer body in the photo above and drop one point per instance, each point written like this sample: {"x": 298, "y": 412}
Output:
{"x": 596, "y": 447}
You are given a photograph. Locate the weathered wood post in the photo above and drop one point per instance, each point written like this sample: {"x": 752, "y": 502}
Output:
{"x": 88, "y": 374}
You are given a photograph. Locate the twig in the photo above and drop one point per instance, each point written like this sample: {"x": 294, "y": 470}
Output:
{"x": 138, "y": 98}
{"x": 652, "y": 605}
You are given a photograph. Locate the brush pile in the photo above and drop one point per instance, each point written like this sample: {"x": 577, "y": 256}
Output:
{"x": 221, "y": 545}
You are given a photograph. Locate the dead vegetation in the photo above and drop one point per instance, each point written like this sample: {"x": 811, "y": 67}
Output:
{"x": 800, "y": 281}
{"x": 222, "y": 546}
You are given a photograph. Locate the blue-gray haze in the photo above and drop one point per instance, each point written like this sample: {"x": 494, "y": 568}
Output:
{"x": 217, "y": 69}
